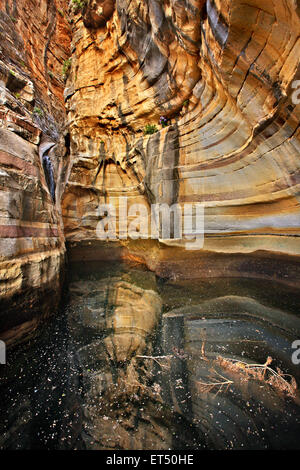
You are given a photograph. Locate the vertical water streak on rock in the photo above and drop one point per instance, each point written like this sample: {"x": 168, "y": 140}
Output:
{"x": 48, "y": 169}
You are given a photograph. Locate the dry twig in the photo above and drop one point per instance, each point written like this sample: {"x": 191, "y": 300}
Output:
{"x": 263, "y": 373}
{"x": 155, "y": 358}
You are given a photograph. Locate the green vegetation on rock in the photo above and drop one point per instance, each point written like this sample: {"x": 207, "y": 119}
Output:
{"x": 150, "y": 129}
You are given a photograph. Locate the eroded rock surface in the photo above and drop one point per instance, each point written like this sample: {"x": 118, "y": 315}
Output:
{"x": 35, "y": 39}
{"x": 222, "y": 74}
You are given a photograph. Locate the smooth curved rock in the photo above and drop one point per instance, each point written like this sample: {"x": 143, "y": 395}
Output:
{"x": 223, "y": 75}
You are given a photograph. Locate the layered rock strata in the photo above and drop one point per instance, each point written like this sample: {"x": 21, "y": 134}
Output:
{"x": 35, "y": 39}
{"x": 219, "y": 82}
{"x": 222, "y": 75}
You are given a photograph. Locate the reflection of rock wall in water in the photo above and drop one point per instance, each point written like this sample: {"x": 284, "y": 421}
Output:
{"x": 85, "y": 383}
{"x": 120, "y": 318}
{"x": 143, "y": 385}
{"x": 246, "y": 413}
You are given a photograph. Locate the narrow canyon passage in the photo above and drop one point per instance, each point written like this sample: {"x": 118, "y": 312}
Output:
{"x": 149, "y": 224}
{"x": 131, "y": 360}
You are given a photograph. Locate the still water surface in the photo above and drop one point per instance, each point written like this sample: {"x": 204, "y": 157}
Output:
{"x": 130, "y": 363}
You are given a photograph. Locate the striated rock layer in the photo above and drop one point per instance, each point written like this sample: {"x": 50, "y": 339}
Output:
{"x": 223, "y": 76}
{"x": 34, "y": 43}
{"x": 217, "y": 79}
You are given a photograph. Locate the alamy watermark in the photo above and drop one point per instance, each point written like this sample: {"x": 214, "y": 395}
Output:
{"x": 296, "y": 93}
{"x": 2, "y": 352}
{"x": 158, "y": 221}
{"x": 296, "y": 353}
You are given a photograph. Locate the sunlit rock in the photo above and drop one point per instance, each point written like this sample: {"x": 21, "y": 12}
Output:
{"x": 222, "y": 75}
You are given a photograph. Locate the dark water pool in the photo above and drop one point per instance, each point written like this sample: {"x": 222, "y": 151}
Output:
{"x": 135, "y": 362}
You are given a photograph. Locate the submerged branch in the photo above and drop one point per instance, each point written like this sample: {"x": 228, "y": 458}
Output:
{"x": 155, "y": 359}
{"x": 262, "y": 372}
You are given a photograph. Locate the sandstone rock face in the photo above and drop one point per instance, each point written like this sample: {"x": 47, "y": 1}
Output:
{"x": 34, "y": 44}
{"x": 217, "y": 79}
{"x": 222, "y": 75}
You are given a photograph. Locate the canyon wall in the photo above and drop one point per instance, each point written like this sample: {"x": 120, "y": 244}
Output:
{"x": 215, "y": 80}
{"x": 221, "y": 74}
{"x": 34, "y": 44}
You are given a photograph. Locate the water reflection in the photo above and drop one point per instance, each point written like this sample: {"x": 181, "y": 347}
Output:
{"x": 123, "y": 366}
